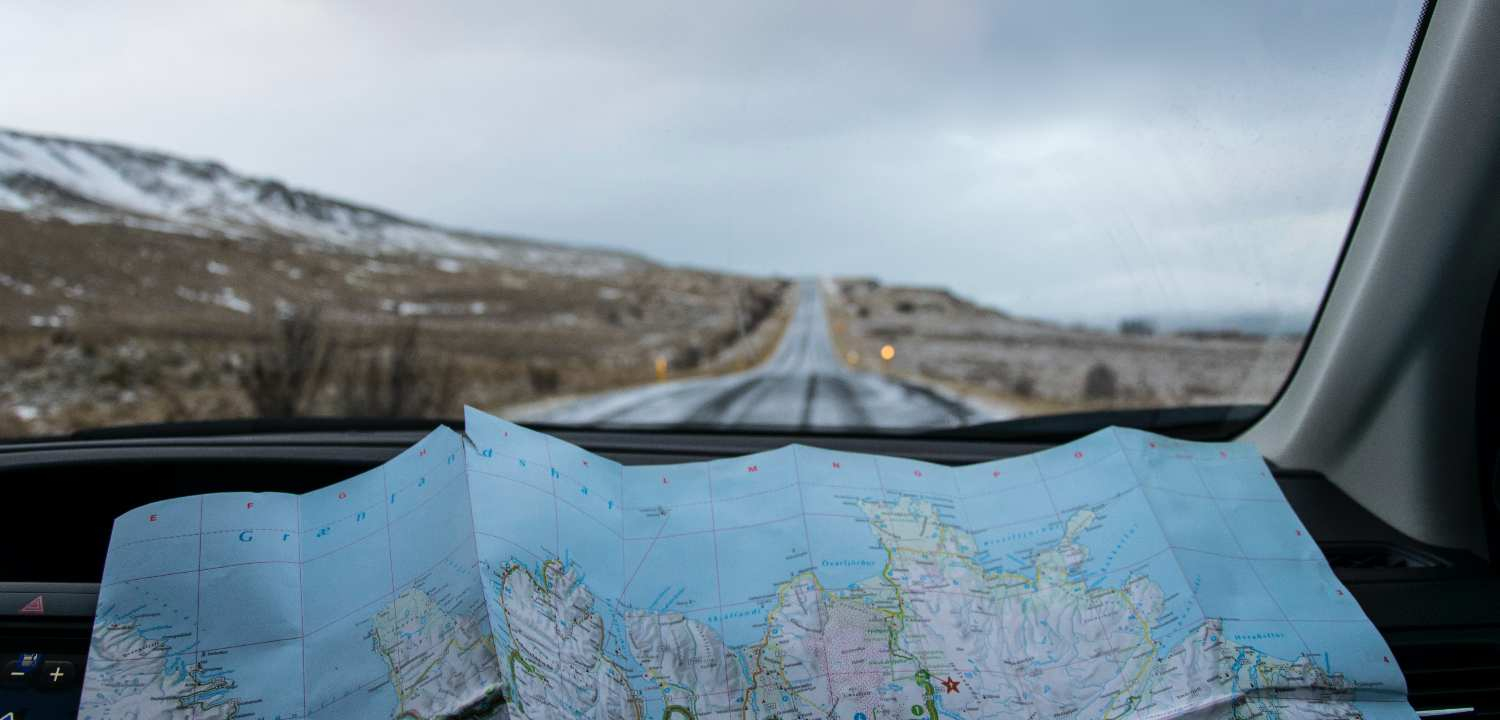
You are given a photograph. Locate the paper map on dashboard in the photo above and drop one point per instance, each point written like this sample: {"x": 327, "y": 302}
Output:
{"x": 505, "y": 572}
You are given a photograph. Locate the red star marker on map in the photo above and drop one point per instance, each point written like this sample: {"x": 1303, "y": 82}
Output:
{"x": 950, "y": 685}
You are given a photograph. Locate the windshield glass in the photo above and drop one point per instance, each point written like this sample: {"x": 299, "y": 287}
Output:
{"x": 823, "y": 217}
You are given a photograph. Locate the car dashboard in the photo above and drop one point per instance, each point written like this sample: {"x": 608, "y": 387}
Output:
{"x": 1436, "y": 607}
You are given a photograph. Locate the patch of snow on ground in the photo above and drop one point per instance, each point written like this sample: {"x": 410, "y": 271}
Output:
{"x": 225, "y": 298}
{"x": 12, "y": 201}
{"x": 449, "y": 265}
{"x": 76, "y": 216}
{"x": 407, "y": 308}
{"x": 62, "y": 285}
{"x": 217, "y": 268}
{"x": 683, "y": 298}
{"x": 291, "y": 271}
{"x": 27, "y": 413}
{"x": 610, "y": 294}
{"x": 7, "y": 281}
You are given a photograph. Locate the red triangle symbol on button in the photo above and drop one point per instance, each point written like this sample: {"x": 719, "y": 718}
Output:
{"x": 34, "y": 607}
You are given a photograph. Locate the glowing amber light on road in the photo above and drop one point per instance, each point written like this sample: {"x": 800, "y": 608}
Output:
{"x": 661, "y": 368}
{"x": 887, "y": 352}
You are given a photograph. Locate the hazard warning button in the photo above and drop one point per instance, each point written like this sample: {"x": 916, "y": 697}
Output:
{"x": 48, "y": 600}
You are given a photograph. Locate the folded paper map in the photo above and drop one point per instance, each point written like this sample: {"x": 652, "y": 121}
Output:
{"x": 504, "y": 572}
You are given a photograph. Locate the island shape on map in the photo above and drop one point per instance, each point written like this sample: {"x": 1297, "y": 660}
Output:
{"x": 505, "y": 573}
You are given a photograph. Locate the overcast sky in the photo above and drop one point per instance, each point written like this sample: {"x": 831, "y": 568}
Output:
{"x": 1063, "y": 160}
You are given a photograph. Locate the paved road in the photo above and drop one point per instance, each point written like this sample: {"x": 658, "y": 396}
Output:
{"x": 803, "y": 384}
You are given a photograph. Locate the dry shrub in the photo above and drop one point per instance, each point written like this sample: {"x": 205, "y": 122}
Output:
{"x": 400, "y": 377}
{"x": 1024, "y": 386}
{"x": 12, "y": 426}
{"x": 284, "y": 374}
{"x": 688, "y": 358}
{"x": 543, "y": 378}
{"x": 753, "y": 307}
{"x": 1137, "y": 327}
{"x": 1101, "y": 383}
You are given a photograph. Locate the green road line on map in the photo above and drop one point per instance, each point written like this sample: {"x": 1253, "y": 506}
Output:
{"x": 924, "y": 679}
{"x": 515, "y": 689}
{"x": 679, "y": 709}
{"x": 885, "y": 572}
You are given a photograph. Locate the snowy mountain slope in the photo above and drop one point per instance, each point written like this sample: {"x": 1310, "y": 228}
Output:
{"x": 102, "y": 183}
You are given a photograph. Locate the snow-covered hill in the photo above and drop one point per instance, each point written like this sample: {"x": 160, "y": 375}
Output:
{"x": 102, "y": 183}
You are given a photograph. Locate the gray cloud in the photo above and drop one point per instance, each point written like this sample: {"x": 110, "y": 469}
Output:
{"x": 1060, "y": 159}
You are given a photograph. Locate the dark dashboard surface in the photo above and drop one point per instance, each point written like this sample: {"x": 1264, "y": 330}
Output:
{"x": 1439, "y": 609}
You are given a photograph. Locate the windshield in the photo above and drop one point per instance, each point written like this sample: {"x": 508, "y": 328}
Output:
{"x": 821, "y": 217}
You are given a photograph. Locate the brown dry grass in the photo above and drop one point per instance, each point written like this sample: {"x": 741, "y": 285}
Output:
{"x": 108, "y": 325}
{"x": 1040, "y": 368}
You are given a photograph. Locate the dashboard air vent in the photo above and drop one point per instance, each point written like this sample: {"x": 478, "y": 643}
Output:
{"x": 1350, "y": 556}
{"x": 1454, "y": 679}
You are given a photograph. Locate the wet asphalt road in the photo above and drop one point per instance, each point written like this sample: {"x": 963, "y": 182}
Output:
{"x": 804, "y": 384}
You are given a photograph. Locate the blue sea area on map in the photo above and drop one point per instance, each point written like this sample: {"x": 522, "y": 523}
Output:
{"x": 593, "y": 548}
{"x": 433, "y": 528}
{"x": 1227, "y": 587}
{"x": 249, "y": 528}
{"x": 225, "y": 619}
{"x": 1307, "y": 590}
{"x": 1008, "y": 507}
{"x": 1089, "y": 480}
{"x": 851, "y": 471}
{"x": 163, "y": 608}
{"x": 844, "y": 551}
{"x": 1192, "y": 522}
{"x": 345, "y": 579}
{"x": 1268, "y": 529}
{"x": 678, "y": 573}
{"x": 1124, "y": 534}
{"x": 665, "y": 500}
{"x": 1277, "y": 638}
{"x": 515, "y": 512}
{"x": 346, "y": 678}
{"x": 1180, "y": 614}
{"x": 1011, "y": 547}
{"x": 1347, "y": 647}
{"x": 156, "y": 539}
{"x": 996, "y": 476}
{"x": 276, "y": 665}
